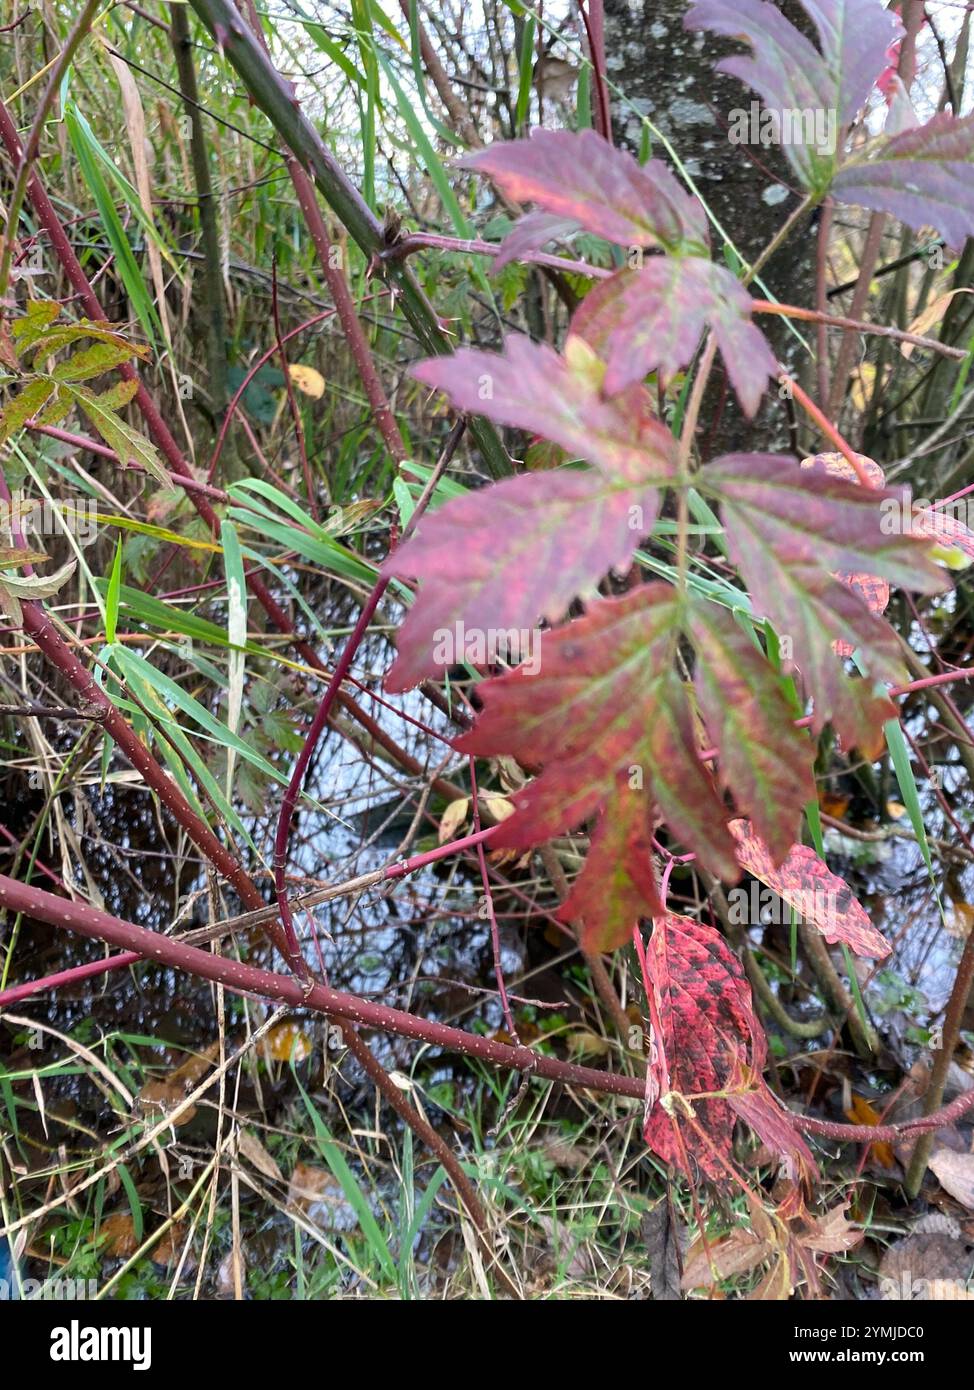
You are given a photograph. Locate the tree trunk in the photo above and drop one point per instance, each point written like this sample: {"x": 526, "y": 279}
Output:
{"x": 667, "y": 74}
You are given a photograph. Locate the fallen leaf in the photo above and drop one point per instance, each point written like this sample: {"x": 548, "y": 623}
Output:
{"x": 955, "y": 1173}
{"x": 860, "y": 1112}
{"x": 663, "y": 1239}
{"x": 737, "y": 1253}
{"x": 162, "y": 1096}
{"x": 931, "y": 315}
{"x": 926, "y": 1267}
{"x": 254, "y": 1152}
{"x": 118, "y": 1235}
{"x": 319, "y": 1194}
{"x": 15, "y": 558}
{"x": 307, "y": 379}
{"x": 287, "y": 1042}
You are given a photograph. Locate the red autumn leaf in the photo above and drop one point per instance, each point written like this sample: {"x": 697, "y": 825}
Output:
{"x": 947, "y": 531}
{"x": 704, "y": 1031}
{"x": 643, "y": 320}
{"x": 789, "y": 530}
{"x": 605, "y": 702}
{"x": 531, "y": 233}
{"x": 840, "y": 467}
{"x": 763, "y": 758}
{"x": 497, "y": 559}
{"x": 922, "y": 176}
{"x": 617, "y": 885}
{"x": 873, "y": 590}
{"x": 576, "y": 174}
{"x": 820, "y": 897}
{"x": 530, "y": 386}
{"x": 792, "y": 75}
{"x": 500, "y": 559}
{"x": 750, "y": 1098}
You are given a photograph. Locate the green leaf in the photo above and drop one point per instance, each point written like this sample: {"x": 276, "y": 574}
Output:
{"x": 130, "y": 446}
{"x": 38, "y": 586}
{"x": 525, "y": 72}
{"x": 133, "y": 663}
{"x": 112, "y": 595}
{"x": 236, "y": 632}
{"x": 25, "y": 406}
{"x": 434, "y": 167}
{"x": 37, "y": 318}
{"x": 92, "y": 361}
{"x": 85, "y": 148}
{"x": 354, "y": 1195}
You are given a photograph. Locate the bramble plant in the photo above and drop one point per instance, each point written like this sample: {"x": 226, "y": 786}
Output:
{"x": 628, "y": 693}
{"x": 651, "y": 669}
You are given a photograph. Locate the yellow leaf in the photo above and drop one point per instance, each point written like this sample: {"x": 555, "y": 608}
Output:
{"x": 345, "y": 519}
{"x": 931, "y": 315}
{"x": 864, "y": 378}
{"x": 960, "y": 919}
{"x": 860, "y": 1112}
{"x": 588, "y": 1044}
{"x": 452, "y": 819}
{"x": 287, "y": 1042}
{"x": 498, "y": 806}
{"x": 308, "y": 380}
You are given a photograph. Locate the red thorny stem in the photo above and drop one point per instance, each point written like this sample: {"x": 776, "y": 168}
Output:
{"x": 593, "y": 16}
{"x": 248, "y": 979}
{"x": 390, "y": 874}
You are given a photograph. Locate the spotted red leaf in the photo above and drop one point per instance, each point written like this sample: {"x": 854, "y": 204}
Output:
{"x": 820, "y": 897}
{"x": 873, "y": 590}
{"x": 704, "y": 1031}
{"x": 576, "y": 174}
{"x": 840, "y": 467}
{"x": 789, "y": 530}
{"x": 762, "y": 757}
{"x": 951, "y": 536}
{"x": 530, "y": 386}
{"x": 605, "y": 702}
{"x": 935, "y": 523}
{"x": 643, "y": 320}
{"x": 923, "y": 176}
{"x": 505, "y": 556}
